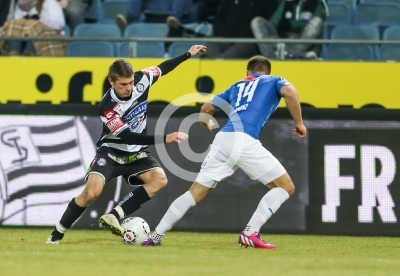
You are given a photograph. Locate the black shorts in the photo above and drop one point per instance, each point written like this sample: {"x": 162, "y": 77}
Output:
{"x": 109, "y": 169}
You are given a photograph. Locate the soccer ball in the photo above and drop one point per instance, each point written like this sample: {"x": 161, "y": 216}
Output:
{"x": 136, "y": 231}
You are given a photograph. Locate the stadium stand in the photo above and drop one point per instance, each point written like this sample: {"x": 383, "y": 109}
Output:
{"x": 144, "y": 49}
{"x": 380, "y": 1}
{"x": 390, "y": 52}
{"x": 178, "y": 48}
{"x": 93, "y": 30}
{"x": 382, "y": 14}
{"x": 93, "y": 13}
{"x": 110, "y": 9}
{"x": 90, "y": 49}
{"x": 353, "y": 51}
{"x": 97, "y": 30}
{"x": 357, "y": 15}
{"x": 339, "y": 14}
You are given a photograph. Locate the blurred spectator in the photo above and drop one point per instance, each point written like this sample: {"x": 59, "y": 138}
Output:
{"x": 293, "y": 19}
{"x": 31, "y": 19}
{"x": 75, "y": 12}
{"x": 153, "y": 10}
{"x": 6, "y": 11}
{"x": 204, "y": 10}
{"x": 232, "y": 20}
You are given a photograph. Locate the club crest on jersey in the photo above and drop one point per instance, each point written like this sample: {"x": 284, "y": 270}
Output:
{"x": 134, "y": 125}
{"x": 101, "y": 162}
{"x": 140, "y": 87}
{"x": 138, "y": 110}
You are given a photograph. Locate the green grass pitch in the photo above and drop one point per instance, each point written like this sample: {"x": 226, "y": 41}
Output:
{"x": 92, "y": 252}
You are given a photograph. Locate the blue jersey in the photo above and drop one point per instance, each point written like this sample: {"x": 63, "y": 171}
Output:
{"x": 252, "y": 101}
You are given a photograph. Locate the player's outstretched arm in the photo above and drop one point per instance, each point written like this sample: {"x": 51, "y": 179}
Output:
{"x": 176, "y": 137}
{"x": 170, "y": 64}
{"x": 205, "y": 117}
{"x": 119, "y": 128}
{"x": 291, "y": 96}
{"x": 143, "y": 139}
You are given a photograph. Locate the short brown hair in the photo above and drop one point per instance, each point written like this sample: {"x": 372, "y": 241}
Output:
{"x": 120, "y": 68}
{"x": 259, "y": 64}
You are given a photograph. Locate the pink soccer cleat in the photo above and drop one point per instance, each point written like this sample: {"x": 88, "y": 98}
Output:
{"x": 150, "y": 242}
{"x": 254, "y": 240}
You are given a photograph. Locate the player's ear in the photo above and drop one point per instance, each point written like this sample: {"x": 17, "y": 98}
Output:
{"x": 247, "y": 73}
{"x": 110, "y": 80}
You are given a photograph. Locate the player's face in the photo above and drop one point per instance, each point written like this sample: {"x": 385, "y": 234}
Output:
{"x": 123, "y": 86}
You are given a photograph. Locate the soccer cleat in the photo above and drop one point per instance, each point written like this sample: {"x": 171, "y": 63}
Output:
{"x": 52, "y": 240}
{"x": 55, "y": 237}
{"x": 110, "y": 221}
{"x": 254, "y": 240}
{"x": 150, "y": 242}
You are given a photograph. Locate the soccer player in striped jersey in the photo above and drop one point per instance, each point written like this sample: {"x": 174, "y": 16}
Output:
{"x": 251, "y": 102}
{"x": 121, "y": 149}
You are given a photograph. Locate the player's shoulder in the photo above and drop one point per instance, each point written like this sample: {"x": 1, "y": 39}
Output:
{"x": 107, "y": 101}
{"x": 153, "y": 70}
{"x": 279, "y": 79}
{"x": 269, "y": 77}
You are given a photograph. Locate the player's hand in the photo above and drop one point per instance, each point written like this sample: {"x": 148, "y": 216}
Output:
{"x": 196, "y": 49}
{"x": 300, "y": 130}
{"x": 176, "y": 137}
{"x": 210, "y": 125}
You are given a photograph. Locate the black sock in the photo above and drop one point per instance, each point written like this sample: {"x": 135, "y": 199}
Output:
{"x": 56, "y": 236}
{"x": 71, "y": 214}
{"x": 134, "y": 200}
{"x": 115, "y": 213}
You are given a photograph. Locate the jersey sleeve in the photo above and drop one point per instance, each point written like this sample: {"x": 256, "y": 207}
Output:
{"x": 113, "y": 121}
{"x": 221, "y": 100}
{"x": 279, "y": 83}
{"x": 153, "y": 73}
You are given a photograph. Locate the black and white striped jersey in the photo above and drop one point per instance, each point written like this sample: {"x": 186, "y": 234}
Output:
{"x": 118, "y": 115}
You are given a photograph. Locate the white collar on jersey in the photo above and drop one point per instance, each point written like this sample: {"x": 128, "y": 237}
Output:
{"x": 116, "y": 99}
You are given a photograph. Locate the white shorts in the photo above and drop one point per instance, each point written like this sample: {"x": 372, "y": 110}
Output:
{"x": 232, "y": 150}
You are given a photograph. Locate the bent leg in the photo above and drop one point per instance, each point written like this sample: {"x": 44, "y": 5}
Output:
{"x": 155, "y": 180}
{"x": 281, "y": 189}
{"x": 259, "y": 164}
{"x": 93, "y": 188}
{"x": 262, "y": 28}
{"x": 181, "y": 205}
{"x": 178, "y": 209}
{"x": 312, "y": 30}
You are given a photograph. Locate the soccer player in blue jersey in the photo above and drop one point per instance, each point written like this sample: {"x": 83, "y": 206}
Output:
{"x": 251, "y": 102}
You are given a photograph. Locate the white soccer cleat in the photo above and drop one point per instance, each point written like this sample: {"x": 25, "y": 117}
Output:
{"x": 50, "y": 241}
{"x": 110, "y": 221}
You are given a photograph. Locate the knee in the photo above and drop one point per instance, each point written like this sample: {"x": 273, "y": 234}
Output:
{"x": 88, "y": 196}
{"x": 160, "y": 182}
{"x": 290, "y": 188}
{"x": 316, "y": 21}
{"x": 256, "y": 21}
